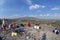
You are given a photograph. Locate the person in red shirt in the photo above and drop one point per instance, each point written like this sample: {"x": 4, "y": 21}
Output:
{"x": 4, "y": 27}
{"x": 13, "y": 26}
{"x": 29, "y": 25}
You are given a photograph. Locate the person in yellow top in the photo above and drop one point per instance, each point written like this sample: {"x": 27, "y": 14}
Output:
{"x": 13, "y": 34}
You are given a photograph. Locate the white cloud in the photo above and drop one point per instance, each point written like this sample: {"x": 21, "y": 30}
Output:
{"x": 50, "y": 16}
{"x": 32, "y": 16}
{"x": 42, "y": 6}
{"x": 29, "y": 2}
{"x": 36, "y": 6}
{"x": 18, "y": 16}
{"x": 41, "y": 16}
{"x": 55, "y": 8}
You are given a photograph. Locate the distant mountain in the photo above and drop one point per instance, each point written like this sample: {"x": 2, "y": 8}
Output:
{"x": 32, "y": 18}
{"x": 28, "y": 18}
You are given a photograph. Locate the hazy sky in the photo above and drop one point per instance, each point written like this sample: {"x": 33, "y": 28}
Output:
{"x": 47, "y": 9}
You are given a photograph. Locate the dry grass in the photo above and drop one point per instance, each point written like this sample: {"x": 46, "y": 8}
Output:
{"x": 33, "y": 22}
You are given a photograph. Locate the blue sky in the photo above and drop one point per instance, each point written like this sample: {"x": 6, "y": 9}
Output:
{"x": 44, "y": 9}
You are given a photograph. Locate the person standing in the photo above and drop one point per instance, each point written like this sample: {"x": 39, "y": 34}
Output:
{"x": 4, "y": 27}
{"x": 29, "y": 25}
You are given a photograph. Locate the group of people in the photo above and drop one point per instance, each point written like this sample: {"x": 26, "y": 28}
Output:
{"x": 37, "y": 26}
{"x": 4, "y": 27}
{"x": 56, "y": 31}
{"x": 13, "y": 25}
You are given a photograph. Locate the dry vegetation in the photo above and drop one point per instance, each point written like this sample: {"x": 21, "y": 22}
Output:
{"x": 55, "y": 23}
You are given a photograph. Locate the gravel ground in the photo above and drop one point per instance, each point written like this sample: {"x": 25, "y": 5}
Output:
{"x": 32, "y": 34}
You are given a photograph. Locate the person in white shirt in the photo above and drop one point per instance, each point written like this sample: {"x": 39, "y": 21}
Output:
{"x": 56, "y": 31}
{"x": 37, "y": 26}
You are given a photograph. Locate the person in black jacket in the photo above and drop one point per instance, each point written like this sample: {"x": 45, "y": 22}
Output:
{"x": 0, "y": 38}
